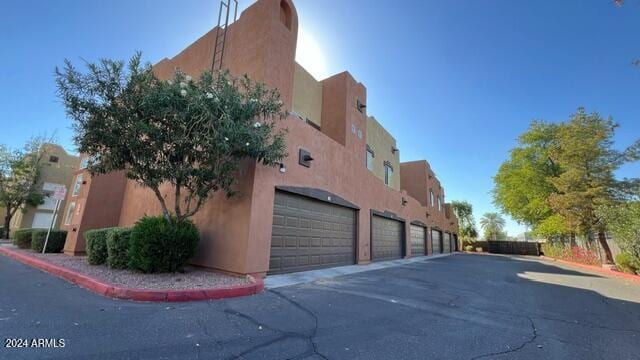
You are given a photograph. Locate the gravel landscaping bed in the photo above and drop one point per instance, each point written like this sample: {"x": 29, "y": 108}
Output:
{"x": 191, "y": 278}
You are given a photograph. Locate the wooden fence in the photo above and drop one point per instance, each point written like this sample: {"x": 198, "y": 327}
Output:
{"x": 514, "y": 247}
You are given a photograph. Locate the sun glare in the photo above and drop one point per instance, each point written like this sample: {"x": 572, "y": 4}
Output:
{"x": 309, "y": 54}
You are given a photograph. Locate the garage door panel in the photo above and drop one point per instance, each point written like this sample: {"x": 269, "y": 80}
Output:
{"x": 311, "y": 235}
{"x": 446, "y": 242}
{"x": 418, "y": 240}
{"x": 436, "y": 239}
{"x": 386, "y": 238}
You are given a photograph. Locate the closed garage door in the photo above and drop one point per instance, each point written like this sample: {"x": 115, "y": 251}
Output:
{"x": 418, "y": 240}
{"x": 386, "y": 238}
{"x": 436, "y": 239}
{"x": 310, "y": 234}
{"x": 447, "y": 243}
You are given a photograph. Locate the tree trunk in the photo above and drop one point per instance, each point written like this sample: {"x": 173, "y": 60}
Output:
{"x": 5, "y": 230}
{"x": 607, "y": 251}
{"x": 572, "y": 240}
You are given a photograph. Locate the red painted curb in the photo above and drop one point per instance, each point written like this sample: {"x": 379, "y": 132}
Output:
{"x": 124, "y": 293}
{"x": 599, "y": 269}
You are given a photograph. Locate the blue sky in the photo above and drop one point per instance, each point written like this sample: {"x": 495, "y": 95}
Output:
{"x": 454, "y": 81}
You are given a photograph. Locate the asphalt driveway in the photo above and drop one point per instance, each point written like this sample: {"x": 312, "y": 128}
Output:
{"x": 457, "y": 307}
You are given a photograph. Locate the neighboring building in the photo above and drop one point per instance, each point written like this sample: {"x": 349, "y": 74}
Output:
{"x": 57, "y": 168}
{"x": 328, "y": 211}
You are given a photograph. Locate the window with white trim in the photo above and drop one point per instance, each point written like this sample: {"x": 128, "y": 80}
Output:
{"x": 77, "y": 185}
{"x": 388, "y": 174}
{"x": 370, "y": 157}
{"x": 70, "y": 211}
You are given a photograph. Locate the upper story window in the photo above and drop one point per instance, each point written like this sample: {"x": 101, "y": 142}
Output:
{"x": 77, "y": 185}
{"x": 431, "y": 198}
{"x": 370, "y": 156}
{"x": 53, "y": 159}
{"x": 84, "y": 162}
{"x": 439, "y": 204}
{"x": 70, "y": 211}
{"x": 388, "y": 174}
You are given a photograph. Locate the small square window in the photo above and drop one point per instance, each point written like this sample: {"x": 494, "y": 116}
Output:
{"x": 53, "y": 159}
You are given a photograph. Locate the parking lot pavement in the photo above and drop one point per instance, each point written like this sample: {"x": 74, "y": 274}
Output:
{"x": 456, "y": 307}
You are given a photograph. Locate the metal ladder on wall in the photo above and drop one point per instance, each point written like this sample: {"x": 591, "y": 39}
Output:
{"x": 221, "y": 33}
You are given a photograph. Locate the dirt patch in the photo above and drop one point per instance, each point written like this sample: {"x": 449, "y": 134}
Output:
{"x": 191, "y": 278}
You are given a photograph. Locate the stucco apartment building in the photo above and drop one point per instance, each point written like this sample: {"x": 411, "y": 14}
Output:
{"x": 57, "y": 168}
{"x": 341, "y": 197}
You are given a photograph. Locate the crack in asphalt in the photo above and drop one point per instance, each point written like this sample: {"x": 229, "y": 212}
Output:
{"x": 533, "y": 338}
{"x": 309, "y": 312}
{"x": 283, "y": 334}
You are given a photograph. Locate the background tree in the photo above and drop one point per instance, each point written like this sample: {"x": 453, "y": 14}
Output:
{"x": 464, "y": 213}
{"x": 19, "y": 174}
{"x": 493, "y": 225}
{"x": 187, "y": 135}
{"x": 522, "y": 186}
{"x": 623, "y": 222}
{"x": 586, "y": 154}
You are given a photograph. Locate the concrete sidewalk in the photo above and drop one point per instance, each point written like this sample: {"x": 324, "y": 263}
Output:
{"x": 276, "y": 281}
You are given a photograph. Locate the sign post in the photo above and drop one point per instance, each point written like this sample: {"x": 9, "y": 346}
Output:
{"x": 59, "y": 193}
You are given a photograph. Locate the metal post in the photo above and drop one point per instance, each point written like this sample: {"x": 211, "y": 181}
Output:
{"x": 53, "y": 220}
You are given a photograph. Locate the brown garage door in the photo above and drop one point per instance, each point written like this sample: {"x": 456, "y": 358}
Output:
{"x": 447, "y": 243}
{"x": 386, "y": 238}
{"x": 310, "y": 234}
{"x": 436, "y": 239}
{"x": 418, "y": 240}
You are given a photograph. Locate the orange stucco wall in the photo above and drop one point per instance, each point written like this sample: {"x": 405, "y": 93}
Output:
{"x": 236, "y": 233}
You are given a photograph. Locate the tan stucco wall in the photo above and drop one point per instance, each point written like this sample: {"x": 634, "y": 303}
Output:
{"x": 307, "y": 96}
{"x": 50, "y": 172}
{"x": 381, "y": 142}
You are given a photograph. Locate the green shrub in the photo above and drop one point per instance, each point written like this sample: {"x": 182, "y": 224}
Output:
{"x": 627, "y": 263}
{"x": 468, "y": 248}
{"x": 96, "y": 247}
{"x": 22, "y": 238}
{"x": 55, "y": 244}
{"x": 161, "y": 245}
{"x": 118, "y": 248}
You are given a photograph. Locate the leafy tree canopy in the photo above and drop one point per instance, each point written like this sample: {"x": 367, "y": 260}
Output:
{"x": 19, "y": 174}
{"x": 522, "y": 184}
{"x": 188, "y": 133}
{"x": 464, "y": 213}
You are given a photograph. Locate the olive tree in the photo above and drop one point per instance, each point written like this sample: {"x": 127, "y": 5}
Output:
{"x": 189, "y": 133}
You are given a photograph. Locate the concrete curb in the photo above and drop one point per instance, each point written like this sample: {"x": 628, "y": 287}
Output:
{"x": 598, "y": 269}
{"x": 124, "y": 293}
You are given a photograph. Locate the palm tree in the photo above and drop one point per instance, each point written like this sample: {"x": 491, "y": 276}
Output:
{"x": 492, "y": 224}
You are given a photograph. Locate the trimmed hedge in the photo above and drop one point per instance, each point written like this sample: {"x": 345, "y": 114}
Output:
{"x": 96, "y": 245}
{"x": 118, "y": 248}
{"x": 161, "y": 245}
{"x": 55, "y": 244}
{"x": 22, "y": 238}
